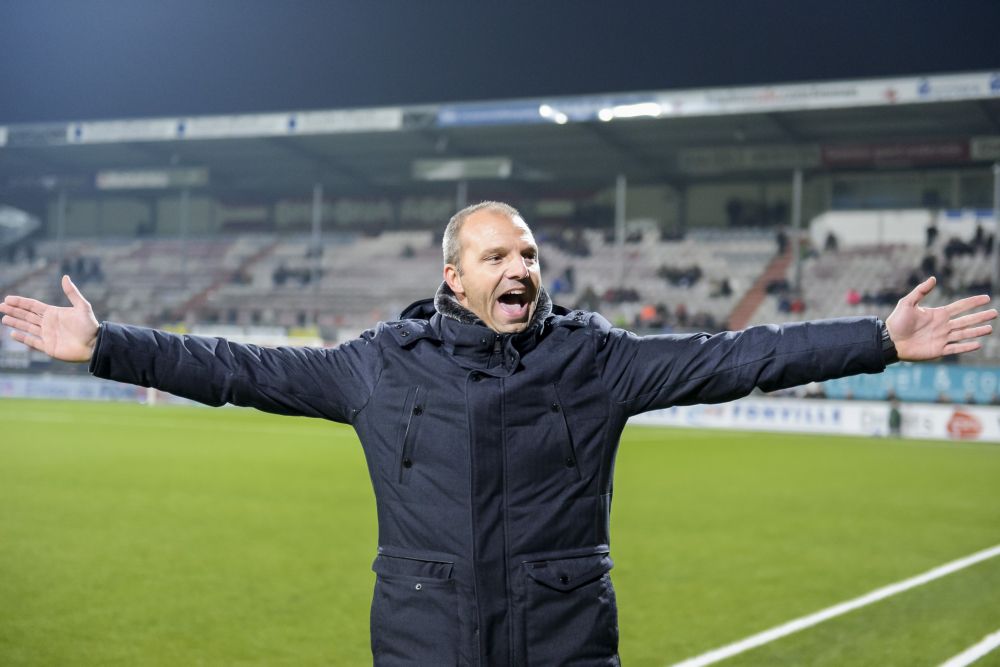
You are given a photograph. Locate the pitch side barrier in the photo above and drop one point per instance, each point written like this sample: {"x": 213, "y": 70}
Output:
{"x": 868, "y": 418}
{"x": 794, "y": 415}
{"x": 81, "y": 388}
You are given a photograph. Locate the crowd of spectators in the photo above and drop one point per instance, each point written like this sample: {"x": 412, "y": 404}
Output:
{"x": 658, "y": 317}
{"x": 85, "y": 270}
{"x": 685, "y": 276}
{"x": 284, "y": 275}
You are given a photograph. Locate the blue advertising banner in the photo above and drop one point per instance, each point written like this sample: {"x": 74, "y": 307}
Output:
{"x": 927, "y": 383}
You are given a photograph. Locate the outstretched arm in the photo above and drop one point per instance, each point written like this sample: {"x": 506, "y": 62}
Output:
{"x": 922, "y": 334}
{"x": 63, "y": 333}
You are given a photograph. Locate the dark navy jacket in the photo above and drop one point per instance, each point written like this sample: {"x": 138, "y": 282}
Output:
{"x": 491, "y": 455}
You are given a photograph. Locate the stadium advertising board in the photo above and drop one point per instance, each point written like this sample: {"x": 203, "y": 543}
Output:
{"x": 985, "y": 148}
{"x": 723, "y": 159}
{"x": 895, "y": 154}
{"x": 922, "y": 382}
{"x": 833, "y": 417}
{"x": 722, "y": 101}
{"x": 866, "y": 418}
{"x": 68, "y": 388}
{"x": 235, "y": 126}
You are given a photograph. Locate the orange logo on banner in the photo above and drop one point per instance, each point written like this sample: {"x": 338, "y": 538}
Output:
{"x": 964, "y": 425}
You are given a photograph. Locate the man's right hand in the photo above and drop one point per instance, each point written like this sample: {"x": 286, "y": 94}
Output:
{"x": 66, "y": 334}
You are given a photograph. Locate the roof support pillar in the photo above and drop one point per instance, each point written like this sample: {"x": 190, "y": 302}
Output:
{"x": 996, "y": 227}
{"x": 316, "y": 247}
{"x": 797, "y": 228}
{"x": 621, "y": 192}
{"x": 184, "y": 215}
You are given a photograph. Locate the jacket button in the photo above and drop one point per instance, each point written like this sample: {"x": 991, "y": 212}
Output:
{"x": 399, "y": 326}
{"x": 563, "y": 579}
{"x": 404, "y": 334}
{"x": 570, "y": 462}
{"x": 555, "y": 407}
{"x": 417, "y": 410}
{"x": 407, "y": 463}
{"x": 476, "y": 377}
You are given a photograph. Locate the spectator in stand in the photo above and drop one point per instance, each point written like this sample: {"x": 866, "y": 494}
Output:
{"x": 681, "y": 315}
{"x": 853, "y": 297}
{"x": 979, "y": 239}
{"x": 781, "y": 238}
{"x": 588, "y": 300}
{"x": 569, "y": 275}
{"x": 831, "y": 244}
{"x": 723, "y": 288}
{"x": 932, "y": 233}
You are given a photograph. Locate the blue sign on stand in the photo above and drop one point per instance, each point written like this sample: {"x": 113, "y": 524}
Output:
{"x": 928, "y": 383}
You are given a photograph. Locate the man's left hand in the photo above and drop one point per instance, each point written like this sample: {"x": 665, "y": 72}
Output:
{"x": 921, "y": 334}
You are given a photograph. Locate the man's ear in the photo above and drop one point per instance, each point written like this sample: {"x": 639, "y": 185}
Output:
{"x": 454, "y": 279}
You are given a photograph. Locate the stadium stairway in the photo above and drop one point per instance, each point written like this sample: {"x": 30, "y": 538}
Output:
{"x": 744, "y": 309}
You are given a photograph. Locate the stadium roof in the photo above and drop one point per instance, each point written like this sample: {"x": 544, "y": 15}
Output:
{"x": 528, "y": 145}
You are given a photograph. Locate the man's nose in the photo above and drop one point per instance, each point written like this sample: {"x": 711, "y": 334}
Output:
{"x": 517, "y": 268}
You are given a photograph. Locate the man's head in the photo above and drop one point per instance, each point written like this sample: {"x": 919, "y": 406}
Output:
{"x": 491, "y": 264}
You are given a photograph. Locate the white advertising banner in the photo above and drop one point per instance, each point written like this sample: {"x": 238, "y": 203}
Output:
{"x": 112, "y": 131}
{"x": 919, "y": 420}
{"x": 982, "y": 148}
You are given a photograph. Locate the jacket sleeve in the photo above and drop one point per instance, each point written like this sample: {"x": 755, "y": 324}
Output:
{"x": 650, "y": 372}
{"x": 330, "y": 383}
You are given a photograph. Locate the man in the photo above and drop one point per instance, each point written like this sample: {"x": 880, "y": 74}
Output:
{"x": 490, "y": 420}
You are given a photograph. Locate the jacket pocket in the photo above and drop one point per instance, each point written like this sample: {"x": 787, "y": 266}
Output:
{"x": 569, "y": 458}
{"x": 409, "y": 424}
{"x": 414, "y": 617}
{"x": 571, "y": 616}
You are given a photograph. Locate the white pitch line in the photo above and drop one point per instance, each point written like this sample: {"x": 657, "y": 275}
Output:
{"x": 804, "y": 622}
{"x": 973, "y": 653}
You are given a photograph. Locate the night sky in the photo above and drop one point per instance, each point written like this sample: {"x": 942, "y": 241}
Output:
{"x": 91, "y": 59}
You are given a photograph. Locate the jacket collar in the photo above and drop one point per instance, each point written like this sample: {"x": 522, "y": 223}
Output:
{"x": 471, "y": 342}
{"x": 446, "y": 303}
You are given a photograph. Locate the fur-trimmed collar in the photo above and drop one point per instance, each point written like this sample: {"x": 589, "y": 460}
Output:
{"x": 446, "y": 303}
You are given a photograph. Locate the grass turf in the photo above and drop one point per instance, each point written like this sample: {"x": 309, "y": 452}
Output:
{"x": 184, "y": 536}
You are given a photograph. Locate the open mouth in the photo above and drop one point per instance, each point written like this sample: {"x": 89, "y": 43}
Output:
{"x": 514, "y": 303}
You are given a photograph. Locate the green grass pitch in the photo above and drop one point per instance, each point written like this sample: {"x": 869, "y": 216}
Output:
{"x": 184, "y": 536}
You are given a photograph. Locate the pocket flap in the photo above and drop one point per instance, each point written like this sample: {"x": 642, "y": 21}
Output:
{"x": 565, "y": 574}
{"x": 395, "y": 566}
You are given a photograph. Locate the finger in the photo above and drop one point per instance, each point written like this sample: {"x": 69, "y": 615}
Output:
{"x": 21, "y": 325}
{"x": 31, "y": 341}
{"x": 965, "y": 334}
{"x": 960, "y": 348}
{"x": 20, "y": 314}
{"x": 27, "y": 304}
{"x": 920, "y": 291}
{"x": 73, "y": 294}
{"x": 967, "y": 303}
{"x": 973, "y": 319}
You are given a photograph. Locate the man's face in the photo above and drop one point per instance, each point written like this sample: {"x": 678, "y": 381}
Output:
{"x": 500, "y": 276}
